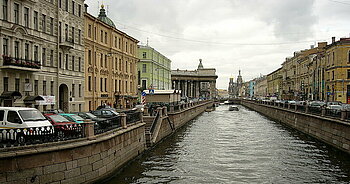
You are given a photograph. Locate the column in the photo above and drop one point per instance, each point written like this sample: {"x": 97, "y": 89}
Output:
{"x": 185, "y": 88}
{"x": 198, "y": 88}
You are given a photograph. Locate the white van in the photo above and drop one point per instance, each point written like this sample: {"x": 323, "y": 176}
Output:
{"x": 18, "y": 123}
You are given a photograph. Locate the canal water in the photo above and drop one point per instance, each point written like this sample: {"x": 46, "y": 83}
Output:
{"x": 237, "y": 147}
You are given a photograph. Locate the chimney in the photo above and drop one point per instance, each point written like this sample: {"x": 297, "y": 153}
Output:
{"x": 86, "y": 7}
{"x": 333, "y": 39}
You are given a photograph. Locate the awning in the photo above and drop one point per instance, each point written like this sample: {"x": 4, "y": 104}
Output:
{"x": 33, "y": 98}
{"x": 11, "y": 94}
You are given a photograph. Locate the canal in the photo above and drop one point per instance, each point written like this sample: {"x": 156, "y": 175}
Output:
{"x": 237, "y": 147}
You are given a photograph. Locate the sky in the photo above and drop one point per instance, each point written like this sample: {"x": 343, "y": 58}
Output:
{"x": 254, "y": 36}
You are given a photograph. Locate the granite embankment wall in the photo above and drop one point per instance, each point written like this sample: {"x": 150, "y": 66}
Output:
{"x": 84, "y": 160}
{"x": 331, "y": 131}
{"x": 180, "y": 118}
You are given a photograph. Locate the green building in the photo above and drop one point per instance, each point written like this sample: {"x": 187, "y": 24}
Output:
{"x": 154, "y": 69}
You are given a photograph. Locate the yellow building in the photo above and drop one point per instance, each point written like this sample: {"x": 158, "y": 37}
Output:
{"x": 274, "y": 83}
{"x": 337, "y": 70}
{"x": 110, "y": 64}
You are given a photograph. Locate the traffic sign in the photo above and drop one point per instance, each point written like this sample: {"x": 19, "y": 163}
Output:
{"x": 143, "y": 93}
{"x": 151, "y": 91}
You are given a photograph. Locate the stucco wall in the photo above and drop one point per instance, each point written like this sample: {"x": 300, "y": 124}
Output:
{"x": 331, "y": 131}
{"x": 78, "y": 161}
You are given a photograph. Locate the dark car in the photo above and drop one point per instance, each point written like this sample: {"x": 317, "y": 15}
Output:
{"x": 88, "y": 115}
{"x": 105, "y": 113}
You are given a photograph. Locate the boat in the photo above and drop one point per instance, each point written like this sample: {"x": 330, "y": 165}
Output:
{"x": 233, "y": 108}
{"x": 226, "y": 102}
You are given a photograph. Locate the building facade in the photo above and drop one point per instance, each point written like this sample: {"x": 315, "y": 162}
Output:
{"x": 111, "y": 64}
{"x": 260, "y": 89}
{"x": 154, "y": 69}
{"x": 42, "y": 63}
{"x": 274, "y": 84}
{"x": 200, "y": 83}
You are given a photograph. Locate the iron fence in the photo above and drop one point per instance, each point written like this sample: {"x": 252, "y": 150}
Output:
{"x": 107, "y": 125}
{"x": 132, "y": 117}
{"x": 39, "y": 135}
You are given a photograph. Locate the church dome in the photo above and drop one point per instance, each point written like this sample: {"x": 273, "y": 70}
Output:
{"x": 103, "y": 17}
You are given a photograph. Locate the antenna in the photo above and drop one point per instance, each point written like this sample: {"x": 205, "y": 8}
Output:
{"x": 147, "y": 41}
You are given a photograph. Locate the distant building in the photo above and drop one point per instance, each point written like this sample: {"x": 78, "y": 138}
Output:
{"x": 231, "y": 88}
{"x": 200, "y": 83}
{"x": 223, "y": 93}
{"x": 154, "y": 69}
{"x": 235, "y": 88}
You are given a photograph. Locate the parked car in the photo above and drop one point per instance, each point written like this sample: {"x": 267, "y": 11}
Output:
{"x": 63, "y": 126}
{"x": 333, "y": 103}
{"x": 334, "y": 110}
{"x": 73, "y": 117}
{"x": 105, "y": 113}
{"x": 292, "y": 102}
{"x": 53, "y": 111}
{"x": 21, "y": 118}
{"x": 88, "y": 115}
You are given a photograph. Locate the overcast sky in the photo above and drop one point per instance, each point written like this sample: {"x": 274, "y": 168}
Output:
{"x": 252, "y": 35}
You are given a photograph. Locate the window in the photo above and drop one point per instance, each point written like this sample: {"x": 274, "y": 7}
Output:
{"x": 66, "y": 32}
{"x": 13, "y": 117}
{"x": 73, "y": 90}
{"x": 79, "y": 90}
{"x": 89, "y": 83}
{"x": 36, "y": 52}
{"x": 4, "y": 9}
{"x": 144, "y": 68}
{"x": 26, "y": 51}
{"x": 36, "y": 20}
{"x": 144, "y": 55}
{"x": 101, "y": 60}
{"x": 115, "y": 42}
{"x": 79, "y": 36}
{"x": 17, "y": 82}
{"x": 26, "y": 17}
{"x": 105, "y": 37}
{"x": 51, "y": 58}
{"x": 73, "y": 7}
{"x": 332, "y": 75}
{"x": 52, "y": 88}
{"x": 126, "y": 46}
{"x": 126, "y": 86}
{"x": 5, "y": 47}
{"x": 72, "y": 34}
{"x": 60, "y": 3}
{"x": 16, "y": 13}
{"x": 73, "y": 63}
{"x": 95, "y": 85}
{"x": 16, "y": 49}
{"x": 79, "y": 10}
{"x": 89, "y": 57}
{"x": 67, "y": 5}
{"x": 2, "y": 113}
{"x": 101, "y": 36}
{"x": 44, "y": 56}
{"x": 36, "y": 87}
{"x": 120, "y": 43}
{"x": 89, "y": 31}
{"x": 60, "y": 31}
{"x": 144, "y": 84}
{"x": 79, "y": 64}
{"x": 67, "y": 60}
{"x": 43, "y": 23}
{"x": 106, "y": 84}
{"x": 349, "y": 57}
{"x": 44, "y": 88}
{"x": 27, "y": 82}
{"x": 116, "y": 64}
{"x": 51, "y": 25}
{"x": 106, "y": 61}
{"x": 348, "y": 74}
{"x": 60, "y": 60}
{"x": 101, "y": 84}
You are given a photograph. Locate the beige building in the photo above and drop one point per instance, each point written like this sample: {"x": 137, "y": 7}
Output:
{"x": 111, "y": 64}
{"x": 274, "y": 83}
{"x": 42, "y": 54}
{"x": 260, "y": 89}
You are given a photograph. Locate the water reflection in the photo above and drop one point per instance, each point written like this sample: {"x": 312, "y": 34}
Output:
{"x": 238, "y": 147}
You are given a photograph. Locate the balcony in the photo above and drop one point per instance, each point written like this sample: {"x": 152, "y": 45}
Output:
{"x": 20, "y": 64}
{"x": 67, "y": 44}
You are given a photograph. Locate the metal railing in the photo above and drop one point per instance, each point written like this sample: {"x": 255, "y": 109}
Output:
{"x": 107, "y": 125}
{"x": 27, "y": 63}
{"x": 132, "y": 117}
{"x": 39, "y": 135}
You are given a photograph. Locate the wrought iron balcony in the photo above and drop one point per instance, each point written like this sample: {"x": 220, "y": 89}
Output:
{"x": 20, "y": 64}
